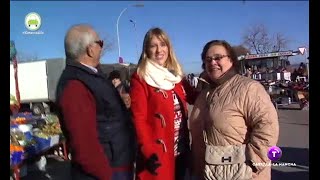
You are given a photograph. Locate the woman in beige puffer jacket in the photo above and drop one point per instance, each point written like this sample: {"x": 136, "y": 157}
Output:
{"x": 233, "y": 122}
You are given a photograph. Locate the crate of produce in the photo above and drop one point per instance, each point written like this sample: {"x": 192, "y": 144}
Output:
{"x": 16, "y": 154}
{"x": 26, "y": 115}
{"x": 42, "y": 143}
{"x": 54, "y": 140}
{"x": 16, "y": 158}
{"x": 31, "y": 148}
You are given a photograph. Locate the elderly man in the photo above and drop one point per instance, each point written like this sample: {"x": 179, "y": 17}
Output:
{"x": 93, "y": 117}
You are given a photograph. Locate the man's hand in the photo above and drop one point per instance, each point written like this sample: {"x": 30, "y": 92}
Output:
{"x": 152, "y": 164}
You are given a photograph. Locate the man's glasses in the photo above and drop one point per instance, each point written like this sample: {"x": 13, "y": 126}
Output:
{"x": 100, "y": 43}
{"x": 216, "y": 58}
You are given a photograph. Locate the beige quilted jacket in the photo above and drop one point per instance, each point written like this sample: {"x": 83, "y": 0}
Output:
{"x": 237, "y": 112}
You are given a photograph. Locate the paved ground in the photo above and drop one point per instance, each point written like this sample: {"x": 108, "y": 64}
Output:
{"x": 293, "y": 141}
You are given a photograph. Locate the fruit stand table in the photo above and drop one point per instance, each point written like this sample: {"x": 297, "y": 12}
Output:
{"x": 32, "y": 137}
{"x": 45, "y": 151}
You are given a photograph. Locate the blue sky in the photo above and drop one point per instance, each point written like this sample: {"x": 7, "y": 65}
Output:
{"x": 189, "y": 24}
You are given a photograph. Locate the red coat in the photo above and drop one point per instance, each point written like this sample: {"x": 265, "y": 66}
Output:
{"x": 153, "y": 117}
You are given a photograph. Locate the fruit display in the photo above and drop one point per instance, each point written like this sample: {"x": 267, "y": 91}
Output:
{"x": 16, "y": 136}
{"x": 13, "y": 100}
{"x": 42, "y": 135}
{"x": 26, "y": 115}
{"x": 32, "y": 142}
{"x": 16, "y": 150}
{"x": 51, "y": 129}
{"x": 19, "y": 120}
{"x": 16, "y": 154}
{"x": 22, "y": 118}
{"x": 51, "y": 118}
{"x": 32, "y": 134}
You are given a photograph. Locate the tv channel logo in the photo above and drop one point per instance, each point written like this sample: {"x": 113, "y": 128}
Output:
{"x": 274, "y": 153}
{"x": 32, "y": 21}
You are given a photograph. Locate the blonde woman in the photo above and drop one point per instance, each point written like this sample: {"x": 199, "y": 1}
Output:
{"x": 158, "y": 104}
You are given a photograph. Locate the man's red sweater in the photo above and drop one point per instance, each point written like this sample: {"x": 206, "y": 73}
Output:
{"x": 79, "y": 111}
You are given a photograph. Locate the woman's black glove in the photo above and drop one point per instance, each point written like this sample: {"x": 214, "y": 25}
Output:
{"x": 249, "y": 163}
{"x": 152, "y": 164}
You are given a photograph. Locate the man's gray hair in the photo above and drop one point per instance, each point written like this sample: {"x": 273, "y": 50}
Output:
{"x": 77, "y": 40}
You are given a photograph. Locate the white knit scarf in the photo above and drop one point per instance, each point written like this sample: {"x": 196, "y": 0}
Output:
{"x": 160, "y": 77}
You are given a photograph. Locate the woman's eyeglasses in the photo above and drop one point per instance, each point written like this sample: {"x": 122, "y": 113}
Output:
{"x": 216, "y": 58}
{"x": 100, "y": 43}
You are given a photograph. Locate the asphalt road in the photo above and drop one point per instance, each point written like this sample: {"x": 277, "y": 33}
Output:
{"x": 293, "y": 141}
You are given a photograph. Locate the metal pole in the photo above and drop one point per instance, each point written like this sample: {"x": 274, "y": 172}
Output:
{"x": 15, "y": 68}
{"x": 135, "y": 5}
{"x": 307, "y": 62}
{"x": 118, "y": 29}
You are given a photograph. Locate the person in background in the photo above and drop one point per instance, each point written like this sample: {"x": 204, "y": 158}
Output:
{"x": 160, "y": 111}
{"x": 115, "y": 78}
{"x": 249, "y": 73}
{"x": 192, "y": 80}
{"x": 97, "y": 125}
{"x": 233, "y": 122}
{"x": 294, "y": 75}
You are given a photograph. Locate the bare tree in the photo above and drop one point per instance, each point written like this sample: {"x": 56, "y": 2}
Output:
{"x": 107, "y": 46}
{"x": 280, "y": 42}
{"x": 27, "y": 57}
{"x": 259, "y": 40}
{"x": 240, "y": 50}
{"x": 109, "y": 43}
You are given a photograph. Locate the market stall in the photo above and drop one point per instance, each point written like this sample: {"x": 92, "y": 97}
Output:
{"x": 288, "y": 95}
{"x": 31, "y": 136}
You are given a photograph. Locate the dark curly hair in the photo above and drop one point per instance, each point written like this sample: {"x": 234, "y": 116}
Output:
{"x": 227, "y": 46}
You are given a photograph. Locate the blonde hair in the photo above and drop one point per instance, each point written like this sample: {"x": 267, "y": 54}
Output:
{"x": 171, "y": 63}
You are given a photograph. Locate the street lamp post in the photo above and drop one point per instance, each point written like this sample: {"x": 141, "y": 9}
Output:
{"x": 307, "y": 63}
{"x": 135, "y": 5}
